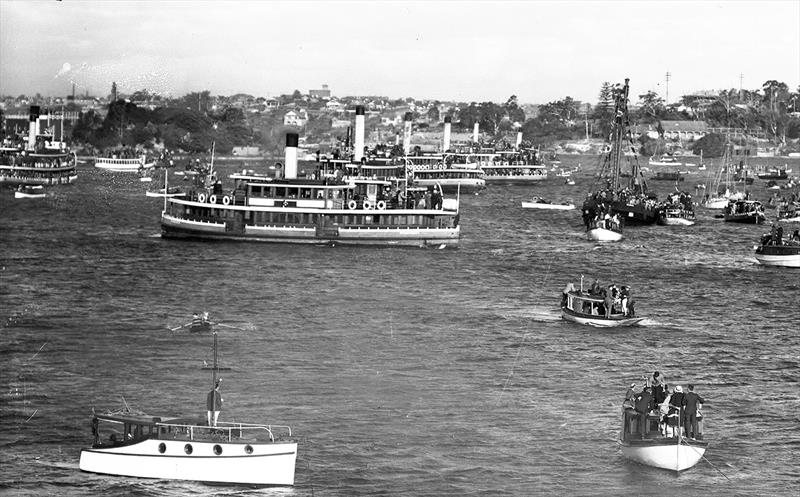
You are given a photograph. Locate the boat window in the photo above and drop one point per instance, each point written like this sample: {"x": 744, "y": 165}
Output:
{"x": 162, "y": 447}
{"x": 217, "y": 450}
{"x": 248, "y": 449}
{"x": 280, "y": 192}
{"x": 188, "y": 448}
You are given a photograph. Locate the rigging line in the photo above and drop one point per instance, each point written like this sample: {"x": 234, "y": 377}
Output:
{"x": 680, "y": 439}
{"x": 37, "y": 352}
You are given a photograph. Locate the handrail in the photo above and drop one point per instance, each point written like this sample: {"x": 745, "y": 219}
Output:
{"x": 230, "y": 427}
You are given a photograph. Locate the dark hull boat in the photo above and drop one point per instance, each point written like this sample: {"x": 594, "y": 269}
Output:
{"x": 745, "y": 211}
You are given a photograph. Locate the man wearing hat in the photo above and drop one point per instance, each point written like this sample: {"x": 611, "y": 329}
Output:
{"x": 214, "y": 404}
{"x": 678, "y": 402}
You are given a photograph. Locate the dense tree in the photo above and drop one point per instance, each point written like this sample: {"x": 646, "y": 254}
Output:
{"x": 711, "y": 145}
{"x": 651, "y": 107}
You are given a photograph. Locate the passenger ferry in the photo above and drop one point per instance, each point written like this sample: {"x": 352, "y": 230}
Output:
{"x": 745, "y": 211}
{"x": 113, "y": 164}
{"x": 358, "y": 211}
{"x": 513, "y": 166}
{"x": 430, "y": 170}
{"x": 41, "y": 160}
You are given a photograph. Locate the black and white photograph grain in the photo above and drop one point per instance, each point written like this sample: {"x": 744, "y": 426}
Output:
{"x": 443, "y": 248}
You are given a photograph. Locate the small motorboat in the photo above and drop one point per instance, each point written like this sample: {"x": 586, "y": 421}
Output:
{"x": 745, "y": 211}
{"x": 665, "y": 160}
{"x": 540, "y": 203}
{"x": 675, "y": 216}
{"x": 773, "y": 250}
{"x": 589, "y": 308}
{"x": 604, "y": 235}
{"x": 570, "y": 182}
{"x": 30, "y": 191}
{"x": 171, "y": 192}
{"x": 180, "y": 448}
{"x": 651, "y": 447}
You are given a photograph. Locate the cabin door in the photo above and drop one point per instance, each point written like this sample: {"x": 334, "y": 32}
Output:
{"x": 235, "y": 225}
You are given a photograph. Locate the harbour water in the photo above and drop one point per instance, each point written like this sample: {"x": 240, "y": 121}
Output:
{"x": 401, "y": 371}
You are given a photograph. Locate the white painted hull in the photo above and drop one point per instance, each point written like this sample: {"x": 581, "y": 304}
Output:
{"x": 269, "y": 463}
{"x": 29, "y": 195}
{"x": 794, "y": 219}
{"x": 676, "y": 221}
{"x": 716, "y": 203}
{"x": 600, "y": 321}
{"x": 675, "y": 457}
{"x": 603, "y": 235}
{"x": 132, "y": 167}
{"x": 162, "y": 194}
{"x": 779, "y": 260}
{"x": 539, "y": 205}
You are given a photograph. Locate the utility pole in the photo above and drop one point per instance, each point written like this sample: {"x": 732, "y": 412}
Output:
{"x": 666, "y": 102}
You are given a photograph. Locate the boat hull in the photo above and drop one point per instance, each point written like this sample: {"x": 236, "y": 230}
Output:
{"x": 173, "y": 227}
{"x": 267, "y": 464}
{"x": 453, "y": 185}
{"x": 778, "y": 255}
{"x": 29, "y": 195}
{"x": 670, "y": 454}
{"x": 599, "y": 321}
{"x": 123, "y": 167}
{"x": 603, "y": 235}
{"x": 43, "y": 181}
{"x": 539, "y": 205}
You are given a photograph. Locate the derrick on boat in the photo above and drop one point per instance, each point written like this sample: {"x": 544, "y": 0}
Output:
{"x": 632, "y": 201}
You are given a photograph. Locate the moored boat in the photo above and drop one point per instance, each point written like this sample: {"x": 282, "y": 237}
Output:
{"x": 666, "y": 160}
{"x": 590, "y": 308}
{"x": 170, "y": 192}
{"x": 677, "y": 210}
{"x": 128, "y": 165}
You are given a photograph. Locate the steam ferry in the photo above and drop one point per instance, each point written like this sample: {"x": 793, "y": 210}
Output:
{"x": 515, "y": 166}
{"x": 41, "y": 160}
{"x": 430, "y": 170}
{"x": 319, "y": 210}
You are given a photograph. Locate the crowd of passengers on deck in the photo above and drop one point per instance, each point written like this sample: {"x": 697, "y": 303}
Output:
{"x": 678, "y": 412}
{"x": 775, "y": 237}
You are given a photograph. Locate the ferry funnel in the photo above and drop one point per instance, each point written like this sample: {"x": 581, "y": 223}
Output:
{"x": 475, "y": 132}
{"x": 359, "y": 138}
{"x": 519, "y": 139}
{"x": 290, "y": 158}
{"x": 446, "y": 143}
{"x": 33, "y": 125}
{"x": 407, "y": 133}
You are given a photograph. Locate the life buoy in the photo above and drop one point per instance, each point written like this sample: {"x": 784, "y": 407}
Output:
{"x": 212, "y": 199}
{"x": 367, "y": 205}
{"x": 201, "y": 197}
{"x": 439, "y": 165}
{"x": 226, "y": 200}
{"x": 381, "y": 205}
{"x": 352, "y": 204}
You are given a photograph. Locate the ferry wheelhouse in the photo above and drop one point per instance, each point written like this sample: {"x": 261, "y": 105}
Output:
{"x": 514, "y": 166}
{"x": 430, "y": 170}
{"x": 41, "y": 160}
{"x": 359, "y": 211}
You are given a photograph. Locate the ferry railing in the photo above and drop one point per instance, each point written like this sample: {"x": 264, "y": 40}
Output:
{"x": 229, "y": 428}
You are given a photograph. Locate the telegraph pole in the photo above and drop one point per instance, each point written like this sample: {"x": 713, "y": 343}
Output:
{"x": 666, "y": 102}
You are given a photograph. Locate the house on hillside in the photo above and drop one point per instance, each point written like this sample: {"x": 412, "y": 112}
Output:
{"x": 684, "y": 130}
{"x": 323, "y": 94}
{"x": 297, "y": 117}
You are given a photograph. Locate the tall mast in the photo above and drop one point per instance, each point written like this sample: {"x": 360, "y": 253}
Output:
{"x": 214, "y": 368}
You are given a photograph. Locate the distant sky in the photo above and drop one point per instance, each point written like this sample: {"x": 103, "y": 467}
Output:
{"x": 462, "y": 50}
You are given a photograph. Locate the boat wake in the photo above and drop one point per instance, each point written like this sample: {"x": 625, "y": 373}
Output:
{"x": 544, "y": 314}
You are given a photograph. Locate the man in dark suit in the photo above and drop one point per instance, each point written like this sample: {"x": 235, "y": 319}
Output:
{"x": 690, "y": 421}
{"x": 644, "y": 404}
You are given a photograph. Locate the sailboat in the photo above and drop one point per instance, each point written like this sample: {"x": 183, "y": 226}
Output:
{"x": 135, "y": 444}
{"x": 718, "y": 199}
{"x": 631, "y": 202}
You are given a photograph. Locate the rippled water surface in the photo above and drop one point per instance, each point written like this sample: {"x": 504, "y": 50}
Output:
{"x": 401, "y": 371}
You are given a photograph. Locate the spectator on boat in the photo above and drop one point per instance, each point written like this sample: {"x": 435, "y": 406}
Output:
{"x": 692, "y": 405}
{"x": 630, "y": 398}
{"x": 668, "y": 414}
{"x": 678, "y": 402}
{"x": 624, "y": 295}
{"x": 796, "y": 236}
{"x": 569, "y": 288}
{"x": 595, "y": 289}
{"x": 214, "y": 404}
{"x": 608, "y": 303}
{"x": 659, "y": 388}
{"x": 644, "y": 404}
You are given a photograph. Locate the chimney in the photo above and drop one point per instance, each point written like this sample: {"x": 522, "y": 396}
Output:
{"x": 475, "y": 133}
{"x": 407, "y": 134}
{"x": 33, "y": 126}
{"x": 290, "y": 159}
{"x": 519, "y": 139}
{"x": 446, "y": 143}
{"x": 359, "y": 138}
